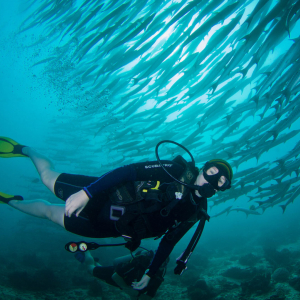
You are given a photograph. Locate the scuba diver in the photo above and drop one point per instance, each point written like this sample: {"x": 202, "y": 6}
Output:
{"x": 124, "y": 271}
{"x": 137, "y": 201}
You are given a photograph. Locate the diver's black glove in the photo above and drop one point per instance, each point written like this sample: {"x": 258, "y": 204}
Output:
{"x": 133, "y": 244}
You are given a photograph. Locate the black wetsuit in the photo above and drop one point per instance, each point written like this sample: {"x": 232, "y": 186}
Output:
{"x": 95, "y": 219}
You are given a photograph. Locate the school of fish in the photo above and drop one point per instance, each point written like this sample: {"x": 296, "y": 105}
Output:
{"x": 202, "y": 73}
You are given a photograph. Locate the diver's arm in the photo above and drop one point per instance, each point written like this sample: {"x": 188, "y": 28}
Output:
{"x": 78, "y": 201}
{"x": 110, "y": 179}
{"x": 163, "y": 252}
{"x": 166, "y": 246}
{"x": 144, "y": 171}
{"x": 140, "y": 171}
{"x": 172, "y": 237}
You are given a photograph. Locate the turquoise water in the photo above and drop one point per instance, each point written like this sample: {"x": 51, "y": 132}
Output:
{"x": 92, "y": 108}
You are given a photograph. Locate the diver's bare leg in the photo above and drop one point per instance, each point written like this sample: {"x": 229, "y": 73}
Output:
{"x": 41, "y": 209}
{"x": 44, "y": 167}
{"x": 90, "y": 262}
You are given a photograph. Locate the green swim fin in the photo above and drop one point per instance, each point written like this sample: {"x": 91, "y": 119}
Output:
{"x": 10, "y": 148}
{"x": 5, "y": 198}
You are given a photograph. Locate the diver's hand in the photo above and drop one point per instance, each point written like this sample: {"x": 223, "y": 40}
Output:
{"x": 76, "y": 203}
{"x": 142, "y": 283}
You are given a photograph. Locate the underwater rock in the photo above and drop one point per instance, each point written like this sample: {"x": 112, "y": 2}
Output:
{"x": 295, "y": 283}
{"x": 189, "y": 277}
{"x": 41, "y": 280}
{"x": 278, "y": 258}
{"x": 297, "y": 267}
{"x": 226, "y": 285}
{"x": 200, "y": 290}
{"x": 95, "y": 289}
{"x": 276, "y": 297}
{"x": 197, "y": 294}
{"x": 80, "y": 281}
{"x": 79, "y": 293}
{"x": 281, "y": 275}
{"x": 248, "y": 260}
{"x": 259, "y": 284}
{"x": 238, "y": 273}
{"x": 200, "y": 284}
{"x": 44, "y": 279}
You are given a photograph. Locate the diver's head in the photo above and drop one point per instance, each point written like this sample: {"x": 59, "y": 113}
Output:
{"x": 216, "y": 175}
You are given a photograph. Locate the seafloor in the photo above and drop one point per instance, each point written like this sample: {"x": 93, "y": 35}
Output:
{"x": 264, "y": 273}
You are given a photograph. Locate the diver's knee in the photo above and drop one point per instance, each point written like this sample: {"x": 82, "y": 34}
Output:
{"x": 49, "y": 177}
{"x": 49, "y": 212}
{"x": 90, "y": 269}
{"x": 55, "y": 213}
{"x": 45, "y": 176}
